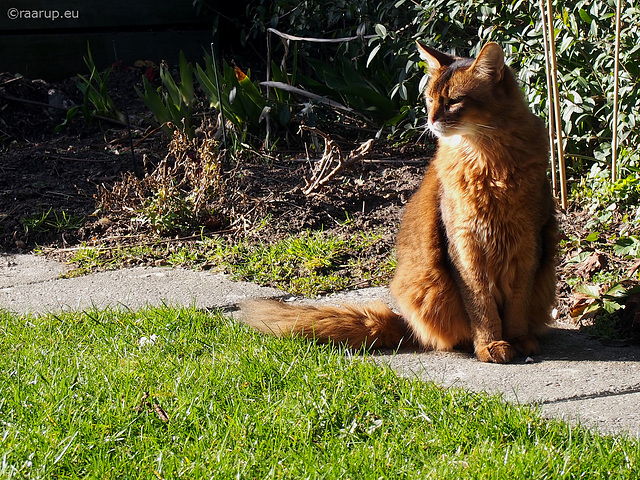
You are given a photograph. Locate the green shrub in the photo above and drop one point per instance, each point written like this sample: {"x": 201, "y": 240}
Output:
{"x": 388, "y": 64}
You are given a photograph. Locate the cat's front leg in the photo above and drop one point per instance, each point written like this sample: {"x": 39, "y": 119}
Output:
{"x": 515, "y": 324}
{"x": 488, "y": 339}
{"x": 516, "y": 328}
{"x": 480, "y": 304}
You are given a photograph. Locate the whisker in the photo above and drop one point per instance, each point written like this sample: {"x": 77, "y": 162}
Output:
{"x": 423, "y": 133}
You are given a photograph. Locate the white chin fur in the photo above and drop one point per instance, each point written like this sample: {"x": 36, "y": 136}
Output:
{"x": 452, "y": 140}
{"x": 436, "y": 129}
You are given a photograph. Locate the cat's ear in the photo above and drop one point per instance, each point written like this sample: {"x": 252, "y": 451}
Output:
{"x": 435, "y": 59}
{"x": 490, "y": 62}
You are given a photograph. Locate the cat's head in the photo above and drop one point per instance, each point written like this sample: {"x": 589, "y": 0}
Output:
{"x": 463, "y": 95}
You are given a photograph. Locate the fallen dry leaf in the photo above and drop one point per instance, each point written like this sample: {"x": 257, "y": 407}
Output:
{"x": 580, "y": 302}
{"x": 151, "y": 406}
{"x": 634, "y": 267}
{"x": 160, "y": 412}
{"x": 590, "y": 265}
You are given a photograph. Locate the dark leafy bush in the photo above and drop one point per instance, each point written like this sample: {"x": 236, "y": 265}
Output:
{"x": 387, "y": 64}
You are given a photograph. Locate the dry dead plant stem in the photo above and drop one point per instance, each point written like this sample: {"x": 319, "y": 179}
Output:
{"x": 143, "y": 139}
{"x": 332, "y": 161}
{"x": 145, "y": 243}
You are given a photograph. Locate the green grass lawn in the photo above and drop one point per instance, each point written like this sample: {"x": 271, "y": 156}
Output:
{"x": 225, "y": 402}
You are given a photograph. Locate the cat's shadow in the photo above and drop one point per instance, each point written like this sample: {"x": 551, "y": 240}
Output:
{"x": 564, "y": 344}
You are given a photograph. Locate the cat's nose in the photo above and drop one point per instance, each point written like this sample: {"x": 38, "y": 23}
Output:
{"x": 435, "y": 128}
{"x": 433, "y": 116}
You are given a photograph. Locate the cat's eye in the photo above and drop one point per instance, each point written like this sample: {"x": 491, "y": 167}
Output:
{"x": 453, "y": 103}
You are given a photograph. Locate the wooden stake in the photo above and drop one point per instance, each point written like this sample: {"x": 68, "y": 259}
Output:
{"x": 556, "y": 96}
{"x": 267, "y": 118}
{"x": 616, "y": 70}
{"x": 551, "y": 117}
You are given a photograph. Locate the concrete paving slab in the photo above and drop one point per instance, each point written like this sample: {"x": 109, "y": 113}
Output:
{"x": 604, "y": 413}
{"x": 575, "y": 377}
{"x": 27, "y": 269}
{"x": 131, "y": 287}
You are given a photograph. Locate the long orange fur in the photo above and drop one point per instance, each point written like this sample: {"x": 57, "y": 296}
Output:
{"x": 478, "y": 242}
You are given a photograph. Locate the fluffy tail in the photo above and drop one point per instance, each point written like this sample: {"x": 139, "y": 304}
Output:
{"x": 372, "y": 325}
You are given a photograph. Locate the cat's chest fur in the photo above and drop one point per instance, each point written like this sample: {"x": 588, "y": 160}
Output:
{"x": 483, "y": 200}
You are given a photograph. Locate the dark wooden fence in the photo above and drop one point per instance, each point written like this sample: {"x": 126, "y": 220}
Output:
{"x": 48, "y": 39}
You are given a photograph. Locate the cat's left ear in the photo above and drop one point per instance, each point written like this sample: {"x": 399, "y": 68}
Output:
{"x": 490, "y": 62}
{"x": 435, "y": 59}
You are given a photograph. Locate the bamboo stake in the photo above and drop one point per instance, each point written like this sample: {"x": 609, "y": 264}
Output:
{"x": 556, "y": 96}
{"x": 268, "y": 115}
{"x": 551, "y": 118}
{"x": 616, "y": 70}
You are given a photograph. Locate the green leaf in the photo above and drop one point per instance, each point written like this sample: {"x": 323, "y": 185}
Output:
{"x": 186, "y": 80}
{"x": 381, "y": 30}
{"x": 566, "y": 43}
{"x": 71, "y": 113}
{"x": 250, "y": 89}
{"x": 265, "y": 112}
{"x": 584, "y": 16}
{"x": 169, "y": 84}
{"x": 152, "y": 100}
{"x": 209, "y": 87}
{"x": 611, "y": 305}
{"x": 616, "y": 291}
{"x": 580, "y": 257}
{"x": 624, "y": 246}
{"x": 592, "y": 291}
{"x": 403, "y": 91}
{"x": 285, "y": 115}
{"x": 373, "y": 53}
{"x": 592, "y": 237}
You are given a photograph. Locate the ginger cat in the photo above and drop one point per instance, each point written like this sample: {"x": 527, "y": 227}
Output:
{"x": 477, "y": 245}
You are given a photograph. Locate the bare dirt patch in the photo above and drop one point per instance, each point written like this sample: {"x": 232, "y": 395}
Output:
{"x": 43, "y": 171}
{"x": 65, "y": 172}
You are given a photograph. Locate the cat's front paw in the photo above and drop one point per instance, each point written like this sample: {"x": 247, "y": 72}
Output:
{"x": 496, "y": 352}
